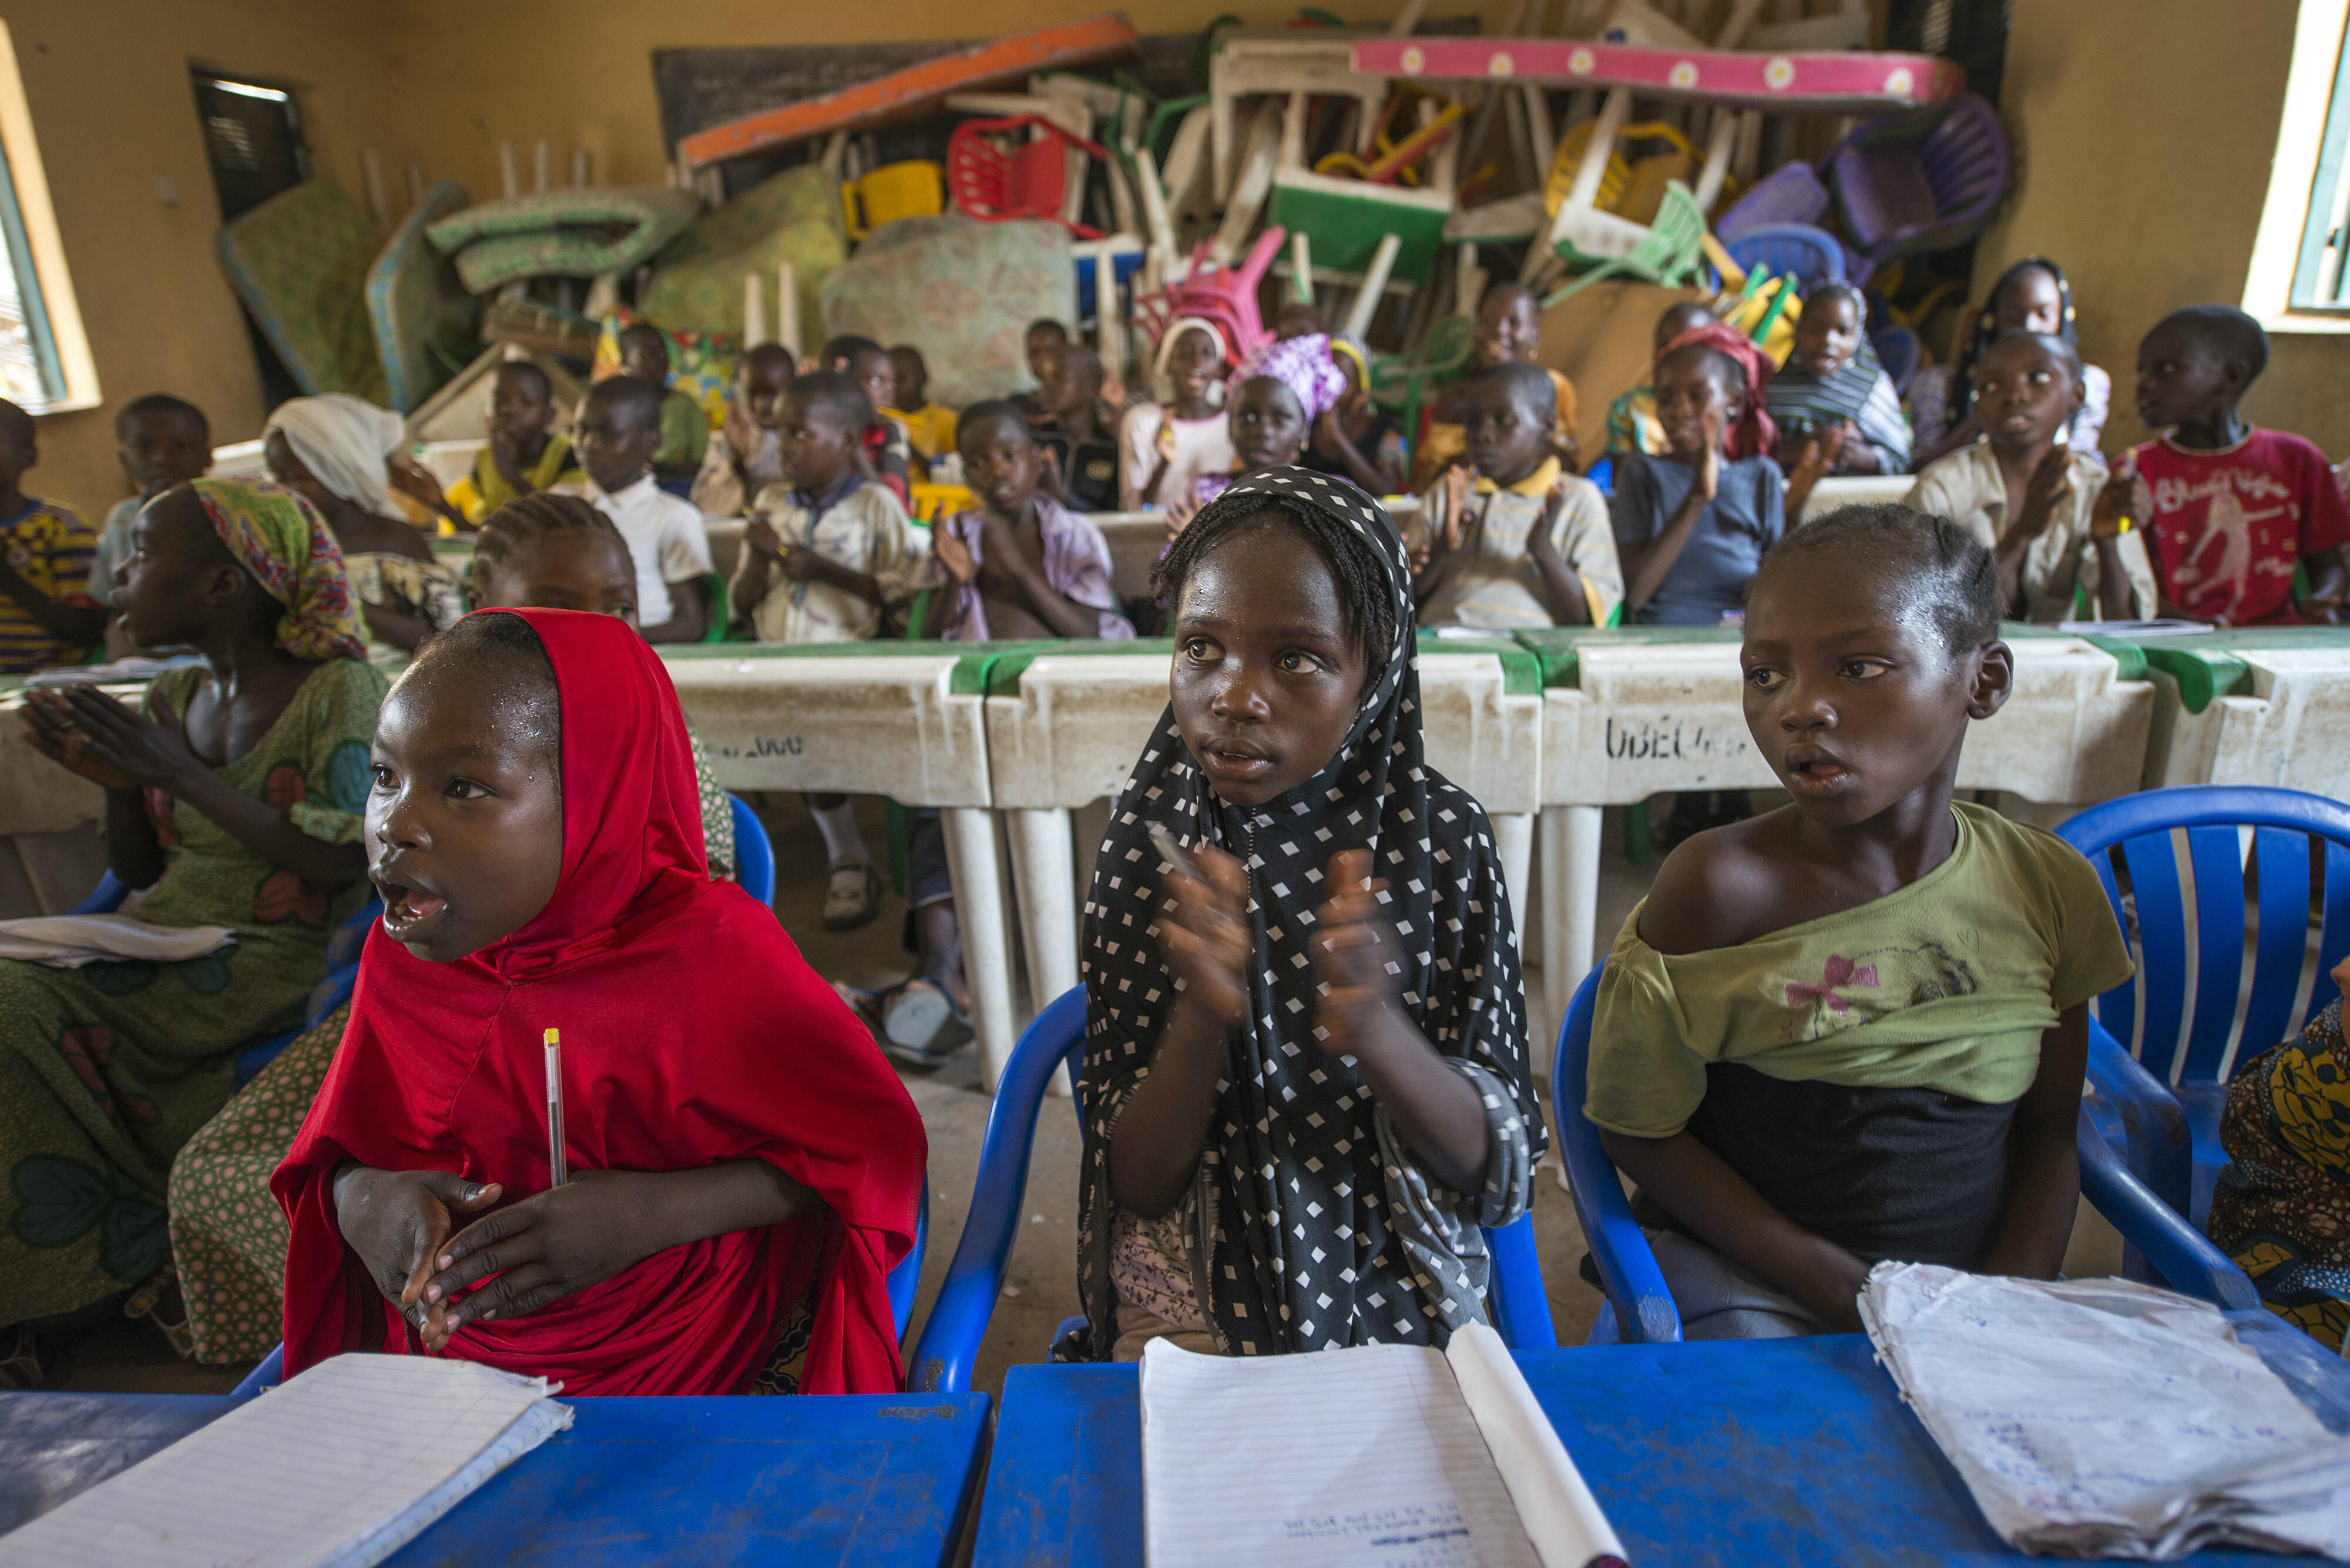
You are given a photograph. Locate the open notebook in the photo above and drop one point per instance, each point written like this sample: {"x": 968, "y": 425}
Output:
{"x": 1385, "y": 1456}
{"x": 342, "y": 1466}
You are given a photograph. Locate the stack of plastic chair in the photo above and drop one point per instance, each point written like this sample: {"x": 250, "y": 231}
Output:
{"x": 1899, "y": 352}
{"x": 1669, "y": 253}
{"x": 1225, "y": 295}
{"x": 2163, "y": 1046}
{"x": 1029, "y": 180}
{"x": 1790, "y": 193}
{"x": 1921, "y": 180}
{"x": 913, "y": 189}
{"x": 943, "y": 1358}
{"x": 1811, "y": 255}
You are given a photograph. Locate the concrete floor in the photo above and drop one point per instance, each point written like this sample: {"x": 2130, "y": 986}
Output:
{"x": 1040, "y": 1286}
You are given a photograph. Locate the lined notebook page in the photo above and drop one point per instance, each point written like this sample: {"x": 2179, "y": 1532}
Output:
{"x": 1342, "y": 1458}
{"x": 344, "y": 1465}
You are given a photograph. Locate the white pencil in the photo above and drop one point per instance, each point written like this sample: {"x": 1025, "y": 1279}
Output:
{"x": 555, "y": 1161}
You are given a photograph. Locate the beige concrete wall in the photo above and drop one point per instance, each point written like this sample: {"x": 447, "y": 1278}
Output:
{"x": 107, "y": 82}
{"x": 2146, "y": 133}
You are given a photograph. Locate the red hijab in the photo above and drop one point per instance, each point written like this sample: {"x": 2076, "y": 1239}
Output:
{"x": 1752, "y": 434}
{"x": 693, "y": 1033}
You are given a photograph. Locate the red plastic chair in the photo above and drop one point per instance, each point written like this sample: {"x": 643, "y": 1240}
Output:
{"x": 1028, "y": 180}
{"x": 1225, "y": 295}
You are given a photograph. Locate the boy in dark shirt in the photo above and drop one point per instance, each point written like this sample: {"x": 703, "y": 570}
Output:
{"x": 1077, "y": 431}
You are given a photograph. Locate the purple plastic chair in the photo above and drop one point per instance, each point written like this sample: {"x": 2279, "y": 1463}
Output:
{"x": 1812, "y": 255}
{"x": 1899, "y": 352}
{"x": 1790, "y": 193}
{"x": 1924, "y": 179}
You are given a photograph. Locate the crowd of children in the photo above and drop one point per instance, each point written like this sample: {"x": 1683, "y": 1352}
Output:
{"x": 1309, "y": 1080}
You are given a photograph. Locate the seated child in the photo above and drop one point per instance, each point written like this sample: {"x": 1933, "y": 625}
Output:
{"x": 1076, "y": 431}
{"x": 1355, "y": 438}
{"x": 2234, "y": 510}
{"x": 2030, "y": 296}
{"x": 1020, "y": 566}
{"x": 930, "y": 427}
{"x": 1044, "y": 335}
{"x": 685, "y": 428}
{"x": 1632, "y": 417}
{"x": 889, "y": 453}
{"x": 823, "y": 559}
{"x": 1537, "y": 551}
{"x": 1833, "y": 383}
{"x": 46, "y": 613}
{"x": 161, "y": 441}
{"x": 746, "y": 455}
{"x": 1164, "y": 445}
{"x": 745, "y": 1168}
{"x": 1509, "y": 328}
{"x": 619, "y": 430}
{"x": 1853, "y": 1029}
{"x": 2052, "y": 524}
{"x": 1305, "y": 1092}
{"x": 1269, "y": 424}
{"x": 1296, "y": 318}
{"x": 525, "y": 454}
{"x": 334, "y": 452}
{"x": 1692, "y": 526}
{"x": 2278, "y": 1209}
{"x": 233, "y": 797}
{"x": 228, "y": 1235}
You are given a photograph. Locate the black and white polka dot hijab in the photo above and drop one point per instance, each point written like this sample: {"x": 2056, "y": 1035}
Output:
{"x": 1315, "y": 1227}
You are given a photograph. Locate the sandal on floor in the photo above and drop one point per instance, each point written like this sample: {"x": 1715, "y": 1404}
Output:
{"x": 159, "y": 1301}
{"x": 914, "y": 1022}
{"x": 852, "y": 898}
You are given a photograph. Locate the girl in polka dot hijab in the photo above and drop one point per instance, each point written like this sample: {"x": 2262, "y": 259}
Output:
{"x": 1306, "y": 1076}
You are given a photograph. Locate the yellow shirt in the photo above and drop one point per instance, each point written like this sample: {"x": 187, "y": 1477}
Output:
{"x": 930, "y": 430}
{"x": 485, "y": 490}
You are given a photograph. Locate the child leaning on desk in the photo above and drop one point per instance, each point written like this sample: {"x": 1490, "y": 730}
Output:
{"x": 1853, "y": 1028}
{"x": 745, "y": 1168}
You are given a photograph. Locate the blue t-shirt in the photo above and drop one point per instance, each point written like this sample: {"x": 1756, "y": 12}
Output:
{"x": 1746, "y": 518}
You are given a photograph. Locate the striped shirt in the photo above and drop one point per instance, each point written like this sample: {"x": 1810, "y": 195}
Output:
{"x": 49, "y": 546}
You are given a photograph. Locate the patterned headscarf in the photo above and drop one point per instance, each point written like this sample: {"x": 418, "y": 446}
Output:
{"x": 1754, "y": 434}
{"x": 280, "y": 539}
{"x": 1303, "y": 365}
{"x": 343, "y": 440}
{"x": 1326, "y": 1230}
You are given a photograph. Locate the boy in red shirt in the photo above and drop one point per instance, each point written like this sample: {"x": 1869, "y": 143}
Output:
{"x": 2232, "y": 510}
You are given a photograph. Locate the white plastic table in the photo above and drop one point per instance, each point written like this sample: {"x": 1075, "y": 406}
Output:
{"x": 843, "y": 718}
{"x": 2256, "y": 705}
{"x": 1635, "y": 711}
{"x": 1068, "y": 731}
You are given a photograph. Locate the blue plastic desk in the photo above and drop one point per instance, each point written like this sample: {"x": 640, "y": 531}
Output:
{"x": 1704, "y": 1455}
{"x": 870, "y": 1479}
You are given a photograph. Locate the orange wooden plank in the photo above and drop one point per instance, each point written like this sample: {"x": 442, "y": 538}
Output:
{"x": 1105, "y": 37}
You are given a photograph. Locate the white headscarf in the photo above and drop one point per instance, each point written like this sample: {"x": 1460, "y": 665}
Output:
{"x": 1163, "y": 390}
{"x": 343, "y": 440}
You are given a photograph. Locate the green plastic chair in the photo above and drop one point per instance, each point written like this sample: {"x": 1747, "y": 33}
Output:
{"x": 1668, "y": 254}
{"x": 1403, "y": 381}
{"x": 715, "y": 587}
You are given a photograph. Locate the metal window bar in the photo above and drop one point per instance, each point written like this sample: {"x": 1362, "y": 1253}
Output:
{"x": 2318, "y": 274}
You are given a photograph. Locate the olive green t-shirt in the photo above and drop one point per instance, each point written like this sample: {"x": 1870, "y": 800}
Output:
{"x": 1947, "y": 983}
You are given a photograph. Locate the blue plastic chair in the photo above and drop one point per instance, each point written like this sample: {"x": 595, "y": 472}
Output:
{"x": 342, "y": 973}
{"x": 904, "y": 1281}
{"x": 1812, "y": 255}
{"x": 2160, "y": 1061}
{"x": 944, "y": 1355}
{"x": 754, "y": 854}
{"x": 1641, "y": 1308}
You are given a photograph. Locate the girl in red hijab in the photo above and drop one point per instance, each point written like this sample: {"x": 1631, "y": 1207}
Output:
{"x": 743, "y": 1166}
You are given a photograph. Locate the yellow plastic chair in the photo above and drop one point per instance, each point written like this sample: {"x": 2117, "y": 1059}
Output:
{"x": 915, "y": 188}
{"x": 1630, "y": 189}
{"x": 929, "y": 502}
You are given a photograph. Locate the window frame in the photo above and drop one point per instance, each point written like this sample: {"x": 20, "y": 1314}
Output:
{"x": 2313, "y": 155}
{"x": 2329, "y": 185}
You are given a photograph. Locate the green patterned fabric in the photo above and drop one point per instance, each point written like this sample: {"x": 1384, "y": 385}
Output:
{"x": 416, "y": 302}
{"x": 964, "y": 290}
{"x": 107, "y": 1070}
{"x": 299, "y": 262}
{"x": 794, "y": 216}
{"x": 568, "y": 233}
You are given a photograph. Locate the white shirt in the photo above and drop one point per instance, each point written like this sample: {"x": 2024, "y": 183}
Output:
{"x": 1202, "y": 446}
{"x": 665, "y": 539}
{"x": 1966, "y": 486}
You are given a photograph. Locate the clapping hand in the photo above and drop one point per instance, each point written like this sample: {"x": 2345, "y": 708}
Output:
{"x": 83, "y": 729}
{"x": 1206, "y": 937}
{"x": 1357, "y": 957}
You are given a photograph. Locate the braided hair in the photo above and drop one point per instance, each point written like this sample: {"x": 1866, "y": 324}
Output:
{"x": 1947, "y": 566}
{"x": 1365, "y": 595}
{"x": 1986, "y": 332}
{"x": 527, "y": 517}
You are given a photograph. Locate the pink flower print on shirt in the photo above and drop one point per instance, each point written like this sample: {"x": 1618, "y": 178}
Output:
{"x": 1839, "y": 971}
